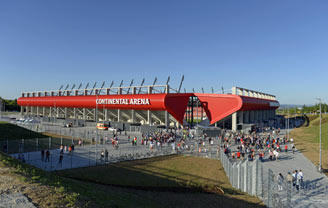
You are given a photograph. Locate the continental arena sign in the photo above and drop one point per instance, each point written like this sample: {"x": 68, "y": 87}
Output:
{"x": 138, "y": 101}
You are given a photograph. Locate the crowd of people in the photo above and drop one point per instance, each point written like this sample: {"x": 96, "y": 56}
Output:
{"x": 247, "y": 146}
{"x": 295, "y": 178}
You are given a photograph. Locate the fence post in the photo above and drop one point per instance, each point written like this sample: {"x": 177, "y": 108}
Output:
{"x": 7, "y": 147}
{"x": 269, "y": 203}
{"x": 89, "y": 157}
{"x": 37, "y": 144}
{"x": 22, "y": 145}
{"x": 289, "y": 194}
{"x": 49, "y": 142}
{"x": 245, "y": 176}
{"x": 239, "y": 172}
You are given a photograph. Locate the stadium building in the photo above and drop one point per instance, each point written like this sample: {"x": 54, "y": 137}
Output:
{"x": 152, "y": 105}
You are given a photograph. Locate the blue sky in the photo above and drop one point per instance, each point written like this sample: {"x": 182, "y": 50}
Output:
{"x": 279, "y": 47}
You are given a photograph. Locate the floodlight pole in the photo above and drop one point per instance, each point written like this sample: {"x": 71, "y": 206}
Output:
{"x": 96, "y": 121}
{"x": 288, "y": 124}
{"x": 320, "y": 155}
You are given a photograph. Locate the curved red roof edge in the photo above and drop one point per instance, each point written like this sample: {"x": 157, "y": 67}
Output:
{"x": 216, "y": 106}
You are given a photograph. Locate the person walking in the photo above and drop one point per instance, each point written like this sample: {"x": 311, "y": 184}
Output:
{"x": 42, "y": 155}
{"x": 60, "y": 162}
{"x": 102, "y": 155}
{"x": 280, "y": 181}
{"x": 289, "y": 178}
{"x": 293, "y": 147}
{"x": 47, "y": 156}
{"x": 70, "y": 150}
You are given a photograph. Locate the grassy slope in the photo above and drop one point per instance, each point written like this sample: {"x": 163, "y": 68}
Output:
{"x": 10, "y": 131}
{"x": 14, "y": 134}
{"x": 174, "y": 173}
{"x": 307, "y": 139}
{"x": 159, "y": 179}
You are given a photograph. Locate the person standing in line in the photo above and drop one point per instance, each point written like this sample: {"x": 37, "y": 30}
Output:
{"x": 106, "y": 155}
{"x": 301, "y": 178}
{"x": 42, "y": 155}
{"x": 280, "y": 181}
{"x": 289, "y": 178}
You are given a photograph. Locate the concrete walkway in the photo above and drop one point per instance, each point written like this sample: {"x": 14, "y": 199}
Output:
{"x": 15, "y": 200}
{"x": 85, "y": 156}
{"x": 315, "y": 190}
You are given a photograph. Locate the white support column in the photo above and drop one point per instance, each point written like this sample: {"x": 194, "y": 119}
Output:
{"x": 22, "y": 111}
{"x": 246, "y": 120}
{"x": 234, "y": 115}
{"x": 74, "y": 113}
{"x": 239, "y": 91}
{"x": 84, "y": 114}
{"x": 43, "y": 111}
{"x": 234, "y": 122}
{"x": 95, "y": 115}
{"x": 149, "y": 114}
{"x": 106, "y": 114}
{"x": 251, "y": 116}
{"x": 245, "y": 93}
{"x": 119, "y": 115}
{"x": 133, "y": 113}
{"x": 241, "y": 117}
{"x": 167, "y": 115}
{"x": 66, "y": 113}
{"x": 256, "y": 116}
{"x": 133, "y": 116}
{"x": 261, "y": 115}
{"x": 234, "y": 90}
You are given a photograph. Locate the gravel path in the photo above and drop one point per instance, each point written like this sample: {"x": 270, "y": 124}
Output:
{"x": 10, "y": 195}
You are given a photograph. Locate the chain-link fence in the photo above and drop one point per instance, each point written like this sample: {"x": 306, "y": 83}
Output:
{"x": 30, "y": 145}
{"x": 84, "y": 156}
{"x": 249, "y": 176}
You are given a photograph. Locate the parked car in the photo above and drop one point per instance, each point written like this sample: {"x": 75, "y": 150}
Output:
{"x": 68, "y": 125}
{"x": 102, "y": 126}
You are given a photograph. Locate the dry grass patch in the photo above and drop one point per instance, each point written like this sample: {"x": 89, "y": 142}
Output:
{"x": 307, "y": 140}
{"x": 187, "y": 175}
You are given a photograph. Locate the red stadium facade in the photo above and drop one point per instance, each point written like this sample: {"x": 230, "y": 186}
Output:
{"x": 217, "y": 107}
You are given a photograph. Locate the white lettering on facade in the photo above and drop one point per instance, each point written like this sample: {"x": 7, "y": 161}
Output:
{"x": 138, "y": 101}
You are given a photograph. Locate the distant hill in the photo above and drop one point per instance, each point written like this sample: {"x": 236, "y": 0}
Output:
{"x": 286, "y": 106}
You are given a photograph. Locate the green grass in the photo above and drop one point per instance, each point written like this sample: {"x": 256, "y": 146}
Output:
{"x": 307, "y": 139}
{"x": 16, "y": 136}
{"x": 142, "y": 183}
{"x": 166, "y": 174}
{"x": 10, "y": 131}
